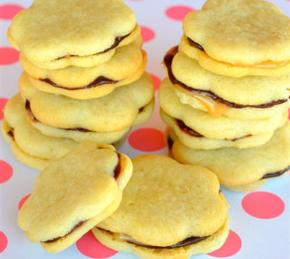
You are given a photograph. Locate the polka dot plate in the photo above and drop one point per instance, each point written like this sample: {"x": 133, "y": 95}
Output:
{"x": 259, "y": 220}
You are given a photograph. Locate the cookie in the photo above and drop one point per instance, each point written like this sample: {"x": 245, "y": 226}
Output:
{"x": 242, "y": 169}
{"x": 86, "y": 37}
{"x": 97, "y": 137}
{"x": 69, "y": 199}
{"x": 28, "y": 144}
{"x": 251, "y": 97}
{"x": 238, "y": 38}
{"x": 114, "y": 112}
{"x": 194, "y": 140}
{"x": 125, "y": 67}
{"x": 222, "y": 127}
{"x": 168, "y": 210}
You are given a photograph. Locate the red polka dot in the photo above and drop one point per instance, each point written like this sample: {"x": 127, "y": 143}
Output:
{"x": 8, "y": 11}
{"x": 178, "y": 12}
{"x": 89, "y": 246}
{"x": 22, "y": 201}
{"x": 8, "y": 56}
{"x": 147, "y": 34}
{"x": 231, "y": 246}
{"x": 3, "y": 241}
{"x": 6, "y": 171}
{"x": 147, "y": 139}
{"x": 3, "y": 102}
{"x": 263, "y": 205}
{"x": 156, "y": 81}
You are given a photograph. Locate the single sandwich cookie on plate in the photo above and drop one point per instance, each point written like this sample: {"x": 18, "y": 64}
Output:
{"x": 73, "y": 194}
{"x": 250, "y": 97}
{"x": 222, "y": 128}
{"x": 37, "y": 147}
{"x": 125, "y": 67}
{"x": 81, "y": 33}
{"x": 168, "y": 210}
{"x": 238, "y": 38}
{"x": 114, "y": 112}
{"x": 242, "y": 169}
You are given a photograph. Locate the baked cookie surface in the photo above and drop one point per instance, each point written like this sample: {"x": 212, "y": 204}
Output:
{"x": 164, "y": 204}
{"x": 69, "y": 199}
{"x": 237, "y": 168}
{"x": 125, "y": 67}
{"x": 113, "y": 112}
{"x": 55, "y": 34}
{"x": 215, "y": 127}
{"x": 225, "y": 37}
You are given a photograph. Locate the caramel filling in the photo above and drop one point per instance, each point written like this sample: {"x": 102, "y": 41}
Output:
{"x": 264, "y": 64}
{"x": 214, "y": 104}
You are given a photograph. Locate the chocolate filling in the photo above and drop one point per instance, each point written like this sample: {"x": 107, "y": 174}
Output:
{"x": 170, "y": 142}
{"x": 195, "y": 44}
{"x": 188, "y": 130}
{"x": 275, "y": 174}
{"x": 101, "y": 80}
{"x": 116, "y": 43}
{"x": 194, "y": 133}
{"x": 168, "y": 63}
{"x": 183, "y": 243}
{"x": 28, "y": 109}
{"x": 117, "y": 170}
{"x": 58, "y": 238}
{"x": 11, "y": 133}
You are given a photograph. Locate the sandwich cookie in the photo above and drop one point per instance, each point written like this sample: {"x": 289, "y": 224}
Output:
{"x": 125, "y": 67}
{"x": 251, "y": 97}
{"x": 221, "y": 128}
{"x": 168, "y": 210}
{"x": 193, "y": 139}
{"x": 69, "y": 199}
{"x": 80, "y": 135}
{"x": 238, "y": 38}
{"x": 86, "y": 37}
{"x": 28, "y": 145}
{"x": 242, "y": 169}
{"x": 114, "y": 112}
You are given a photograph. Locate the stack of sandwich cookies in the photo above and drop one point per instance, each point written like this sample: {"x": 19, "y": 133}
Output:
{"x": 83, "y": 77}
{"x": 168, "y": 210}
{"x": 69, "y": 199}
{"x": 226, "y": 89}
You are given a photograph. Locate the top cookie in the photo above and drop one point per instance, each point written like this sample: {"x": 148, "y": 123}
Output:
{"x": 51, "y": 30}
{"x": 241, "y": 32}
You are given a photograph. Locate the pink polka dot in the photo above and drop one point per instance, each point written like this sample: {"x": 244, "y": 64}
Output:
{"x": 147, "y": 139}
{"x": 156, "y": 81}
{"x": 8, "y": 11}
{"x": 3, "y": 241}
{"x": 147, "y": 34}
{"x": 22, "y": 201}
{"x": 89, "y": 246}
{"x": 8, "y": 56}
{"x": 3, "y": 102}
{"x": 178, "y": 12}
{"x": 6, "y": 171}
{"x": 231, "y": 246}
{"x": 263, "y": 205}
